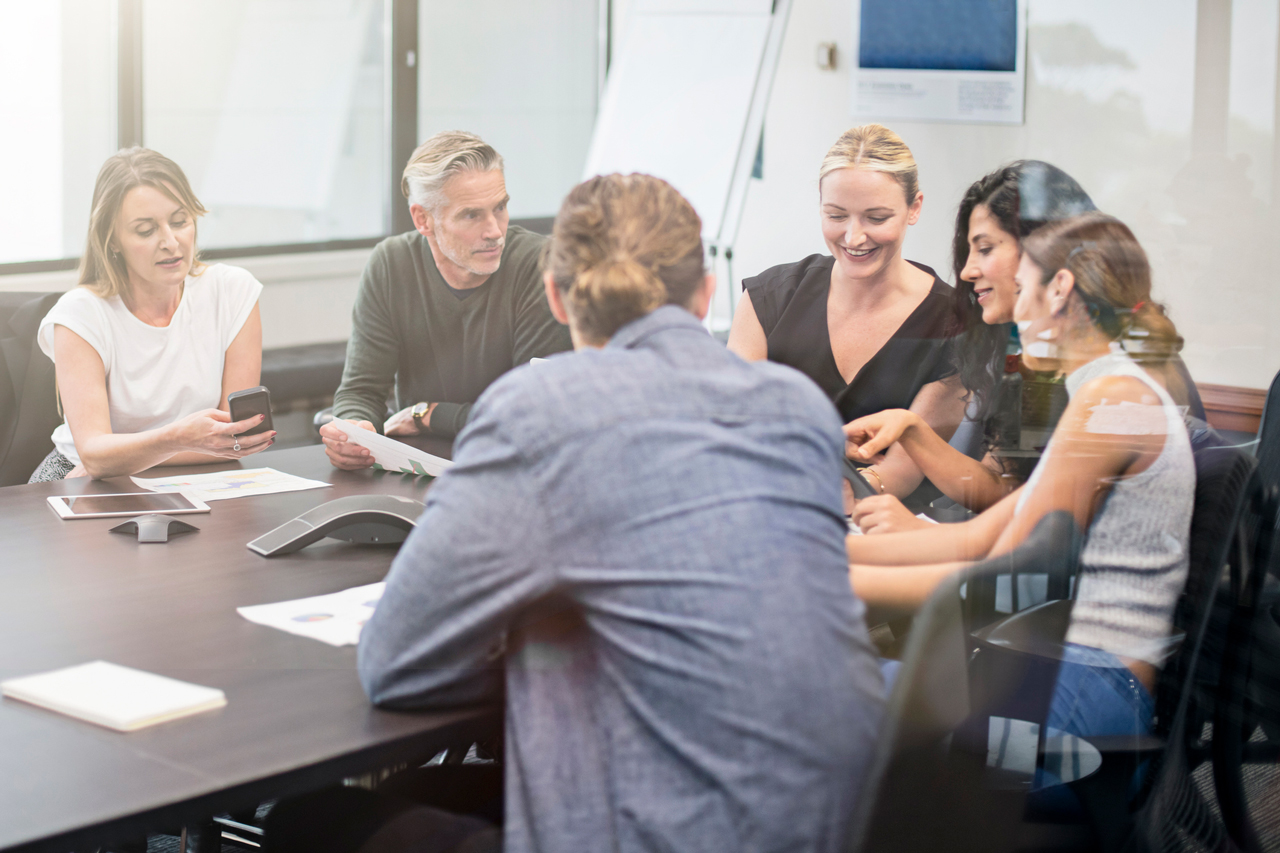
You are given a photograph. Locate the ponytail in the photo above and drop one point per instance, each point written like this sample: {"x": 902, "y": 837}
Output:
{"x": 610, "y": 294}
{"x": 1149, "y": 334}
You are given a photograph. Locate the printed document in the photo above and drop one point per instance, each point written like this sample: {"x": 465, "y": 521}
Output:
{"x": 335, "y": 619}
{"x": 392, "y": 455}
{"x": 222, "y": 485}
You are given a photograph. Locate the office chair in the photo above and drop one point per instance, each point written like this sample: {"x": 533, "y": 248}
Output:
{"x": 28, "y": 397}
{"x": 935, "y": 781}
{"x": 1246, "y": 712}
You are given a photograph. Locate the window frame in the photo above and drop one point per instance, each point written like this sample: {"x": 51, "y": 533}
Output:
{"x": 401, "y": 115}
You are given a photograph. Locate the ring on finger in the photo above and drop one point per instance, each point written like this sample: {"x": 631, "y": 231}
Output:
{"x": 236, "y": 446}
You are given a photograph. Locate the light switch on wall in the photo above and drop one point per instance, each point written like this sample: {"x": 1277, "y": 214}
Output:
{"x": 825, "y": 55}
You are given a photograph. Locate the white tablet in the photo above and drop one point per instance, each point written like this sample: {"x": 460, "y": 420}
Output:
{"x": 131, "y": 503}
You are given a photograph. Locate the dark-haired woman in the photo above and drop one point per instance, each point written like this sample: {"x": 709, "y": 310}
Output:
{"x": 997, "y": 212}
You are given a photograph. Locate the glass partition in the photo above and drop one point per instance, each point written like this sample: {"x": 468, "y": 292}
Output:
{"x": 57, "y": 100}
{"x": 276, "y": 110}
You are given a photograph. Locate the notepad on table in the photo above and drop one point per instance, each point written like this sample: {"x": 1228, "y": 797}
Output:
{"x": 117, "y": 697}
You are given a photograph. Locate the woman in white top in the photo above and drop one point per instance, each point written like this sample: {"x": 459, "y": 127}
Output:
{"x": 1120, "y": 461}
{"x": 150, "y": 344}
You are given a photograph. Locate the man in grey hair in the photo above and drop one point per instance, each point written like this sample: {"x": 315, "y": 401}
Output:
{"x": 444, "y": 310}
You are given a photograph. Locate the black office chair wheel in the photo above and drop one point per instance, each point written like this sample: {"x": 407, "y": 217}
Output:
{"x": 321, "y": 418}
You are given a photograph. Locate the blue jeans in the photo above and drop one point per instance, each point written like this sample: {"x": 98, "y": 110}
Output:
{"x": 1095, "y": 694}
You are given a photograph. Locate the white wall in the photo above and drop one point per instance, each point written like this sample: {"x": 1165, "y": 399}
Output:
{"x": 1109, "y": 99}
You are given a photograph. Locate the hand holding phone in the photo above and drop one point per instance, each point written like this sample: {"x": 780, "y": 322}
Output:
{"x": 249, "y": 402}
{"x": 861, "y": 488}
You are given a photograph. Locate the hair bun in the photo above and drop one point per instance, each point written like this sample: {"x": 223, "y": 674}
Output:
{"x": 620, "y": 282}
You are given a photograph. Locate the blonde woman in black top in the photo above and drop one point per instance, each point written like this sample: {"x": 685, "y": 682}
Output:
{"x": 871, "y": 328}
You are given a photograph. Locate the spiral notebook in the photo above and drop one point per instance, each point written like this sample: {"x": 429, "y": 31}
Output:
{"x": 113, "y": 696}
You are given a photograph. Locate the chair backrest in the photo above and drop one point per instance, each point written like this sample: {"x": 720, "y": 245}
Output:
{"x": 28, "y": 397}
{"x": 1173, "y": 808}
{"x": 1224, "y": 479}
{"x": 1053, "y": 549}
{"x": 925, "y": 782}
{"x": 1268, "y": 446}
{"x": 1188, "y": 393}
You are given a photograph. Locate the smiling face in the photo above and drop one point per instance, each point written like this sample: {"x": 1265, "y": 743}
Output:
{"x": 467, "y": 235}
{"x": 864, "y": 220}
{"x": 993, "y": 261}
{"x": 156, "y": 236}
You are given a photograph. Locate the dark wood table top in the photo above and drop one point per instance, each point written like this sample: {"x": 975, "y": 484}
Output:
{"x": 296, "y": 717}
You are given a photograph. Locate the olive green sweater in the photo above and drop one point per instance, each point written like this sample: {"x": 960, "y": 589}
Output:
{"x": 437, "y": 344}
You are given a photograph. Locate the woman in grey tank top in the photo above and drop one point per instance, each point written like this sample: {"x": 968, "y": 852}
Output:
{"x": 1120, "y": 462}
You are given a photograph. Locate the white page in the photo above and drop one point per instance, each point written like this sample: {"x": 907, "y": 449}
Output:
{"x": 117, "y": 697}
{"x": 336, "y": 619}
{"x": 392, "y": 455}
{"x": 223, "y": 485}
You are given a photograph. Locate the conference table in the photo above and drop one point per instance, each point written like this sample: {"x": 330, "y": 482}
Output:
{"x": 296, "y": 717}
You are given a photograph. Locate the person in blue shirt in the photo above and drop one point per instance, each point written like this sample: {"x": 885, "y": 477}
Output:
{"x": 640, "y": 546}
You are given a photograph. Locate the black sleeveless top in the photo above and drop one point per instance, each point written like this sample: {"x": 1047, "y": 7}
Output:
{"x": 791, "y": 304}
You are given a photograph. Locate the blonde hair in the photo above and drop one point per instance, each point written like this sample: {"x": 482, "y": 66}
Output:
{"x": 623, "y": 246}
{"x": 1112, "y": 279}
{"x": 438, "y": 159}
{"x": 875, "y": 148}
{"x": 102, "y": 269}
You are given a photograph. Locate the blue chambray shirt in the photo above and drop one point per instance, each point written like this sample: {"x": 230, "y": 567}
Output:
{"x": 655, "y": 530}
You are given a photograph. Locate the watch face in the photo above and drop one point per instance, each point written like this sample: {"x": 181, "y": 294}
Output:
{"x": 419, "y": 410}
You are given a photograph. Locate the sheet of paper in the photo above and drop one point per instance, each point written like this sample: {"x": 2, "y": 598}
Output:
{"x": 117, "y": 697}
{"x": 222, "y": 485}
{"x": 335, "y": 619}
{"x": 392, "y": 455}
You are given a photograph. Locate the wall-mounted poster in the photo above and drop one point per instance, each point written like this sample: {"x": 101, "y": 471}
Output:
{"x": 940, "y": 60}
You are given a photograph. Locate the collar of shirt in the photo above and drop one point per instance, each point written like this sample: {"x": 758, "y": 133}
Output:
{"x": 635, "y": 333}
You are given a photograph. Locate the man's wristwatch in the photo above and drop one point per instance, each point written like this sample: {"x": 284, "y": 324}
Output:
{"x": 419, "y": 412}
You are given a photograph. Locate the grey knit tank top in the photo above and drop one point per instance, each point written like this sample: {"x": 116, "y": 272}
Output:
{"x": 1135, "y": 557}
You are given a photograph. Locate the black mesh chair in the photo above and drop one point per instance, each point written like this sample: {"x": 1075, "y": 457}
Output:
{"x": 1170, "y": 812}
{"x": 938, "y": 779}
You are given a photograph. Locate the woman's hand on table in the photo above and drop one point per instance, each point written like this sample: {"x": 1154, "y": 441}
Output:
{"x": 885, "y": 514}
{"x": 344, "y": 454}
{"x": 870, "y": 436}
{"x": 212, "y": 432}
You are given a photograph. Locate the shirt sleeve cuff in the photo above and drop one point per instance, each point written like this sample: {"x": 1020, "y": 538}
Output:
{"x": 448, "y": 419}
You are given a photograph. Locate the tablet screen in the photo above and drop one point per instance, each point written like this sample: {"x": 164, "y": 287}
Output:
{"x": 134, "y": 503}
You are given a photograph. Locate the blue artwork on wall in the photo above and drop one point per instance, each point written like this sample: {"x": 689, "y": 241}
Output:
{"x": 943, "y": 35}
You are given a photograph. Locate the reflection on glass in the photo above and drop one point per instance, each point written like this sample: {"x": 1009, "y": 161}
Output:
{"x": 276, "y": 110}
{"x": 520, "y": 75}
{"x": 57, "y": 101}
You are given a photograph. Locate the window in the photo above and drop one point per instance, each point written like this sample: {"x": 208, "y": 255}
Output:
{"x": 276, "y": 110}
{"x": 58, "y": 64}
{"x": 521, "y": 75}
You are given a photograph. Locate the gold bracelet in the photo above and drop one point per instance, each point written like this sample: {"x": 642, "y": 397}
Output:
{"x": 873, "y": 472}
